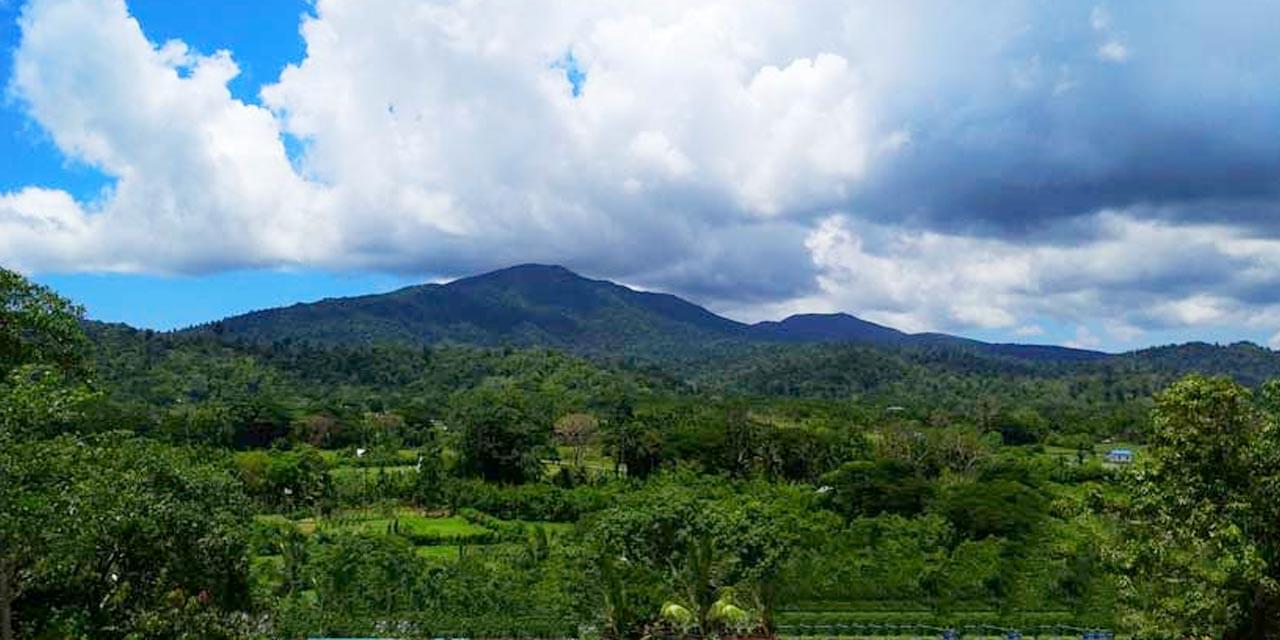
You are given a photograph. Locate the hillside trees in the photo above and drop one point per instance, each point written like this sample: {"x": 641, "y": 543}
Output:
{"x": 429, "y": 470}
{"x": 637, "y": 444}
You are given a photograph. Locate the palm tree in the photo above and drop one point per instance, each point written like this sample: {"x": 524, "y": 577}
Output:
{"x": 617, "y": 605}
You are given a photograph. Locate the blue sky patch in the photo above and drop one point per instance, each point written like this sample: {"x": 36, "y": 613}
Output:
{"x": 573, "y": 72}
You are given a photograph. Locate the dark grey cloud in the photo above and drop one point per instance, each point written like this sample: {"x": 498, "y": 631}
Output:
{"x": 1185, "y": 126}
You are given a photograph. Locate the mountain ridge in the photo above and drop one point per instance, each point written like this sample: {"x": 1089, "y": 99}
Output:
{"x": 550, "y": 305}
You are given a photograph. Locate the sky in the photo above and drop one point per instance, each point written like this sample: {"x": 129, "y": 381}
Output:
{"x": 1103, "y": 175}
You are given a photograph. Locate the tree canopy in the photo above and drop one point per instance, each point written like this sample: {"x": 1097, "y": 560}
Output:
{"x": 37, "y": 326}
{"x": 1205, "y": 549}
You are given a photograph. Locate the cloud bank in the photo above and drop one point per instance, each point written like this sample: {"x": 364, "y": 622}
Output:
{"x": 929, "y": 165}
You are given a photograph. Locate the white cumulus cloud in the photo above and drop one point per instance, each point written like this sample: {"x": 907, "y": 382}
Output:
{"x": 437, "y": 137}
{"x": 929, "y": 280}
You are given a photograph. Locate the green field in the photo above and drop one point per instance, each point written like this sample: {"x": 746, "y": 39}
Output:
{"x": 367, "y": 473}
{"x": 434, "y": 537}
{"x": 406, "y": 520}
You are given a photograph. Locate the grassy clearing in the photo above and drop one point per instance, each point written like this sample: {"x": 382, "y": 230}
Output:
{"x": 1099, "y": 451}
{"x": 593, "y": 457}
{"x": 410, "y": 522}
{"x": 368, "y": 473}
{"x": 407, "y": 521}
{"x": 437, "y": 552}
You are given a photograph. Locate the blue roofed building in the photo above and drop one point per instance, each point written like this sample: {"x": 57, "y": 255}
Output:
{"x": 1120, "y": 456}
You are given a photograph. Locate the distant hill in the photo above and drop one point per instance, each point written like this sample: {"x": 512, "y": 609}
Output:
{"x": 844, "y": 328}
{"x": 827, "y": 327}
{"x": 1248, "y": 363}
{"x": 545, "y": 305}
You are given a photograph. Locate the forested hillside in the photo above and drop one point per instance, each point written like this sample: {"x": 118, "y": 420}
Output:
{"x": 550, "y": 306}
{"x": 540, "y": 306}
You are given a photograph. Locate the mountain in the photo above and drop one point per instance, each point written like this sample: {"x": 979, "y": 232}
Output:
{"x": 546, "y": 305}
{"x": 524, "y": 305}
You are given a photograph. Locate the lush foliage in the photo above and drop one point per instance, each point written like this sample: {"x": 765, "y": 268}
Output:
{"x": 1206, "y": 549}
{"x": 215, "y": 483}
{"x": 112, "y": 534}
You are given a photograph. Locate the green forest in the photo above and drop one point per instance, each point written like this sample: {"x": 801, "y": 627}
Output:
{"x": 205, "y": 484}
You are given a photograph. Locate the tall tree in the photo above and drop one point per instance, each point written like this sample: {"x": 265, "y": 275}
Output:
{"x": 41, "y": 343}
{"x": 503, "y": 434}
{"x": 1204, "y": 557}
{"x": 576, "y": 430}
{"x": 42, "y": 357}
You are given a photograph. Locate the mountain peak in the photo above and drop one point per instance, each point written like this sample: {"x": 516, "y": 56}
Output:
{"x": 527, "y": 272}
{"x": 529, "y": 269}
{"x": 536, "y": 268}
{"x": 826, "y": 327}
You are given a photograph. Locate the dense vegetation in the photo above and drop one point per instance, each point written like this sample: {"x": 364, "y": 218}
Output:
{"x": 206, "y": 484}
